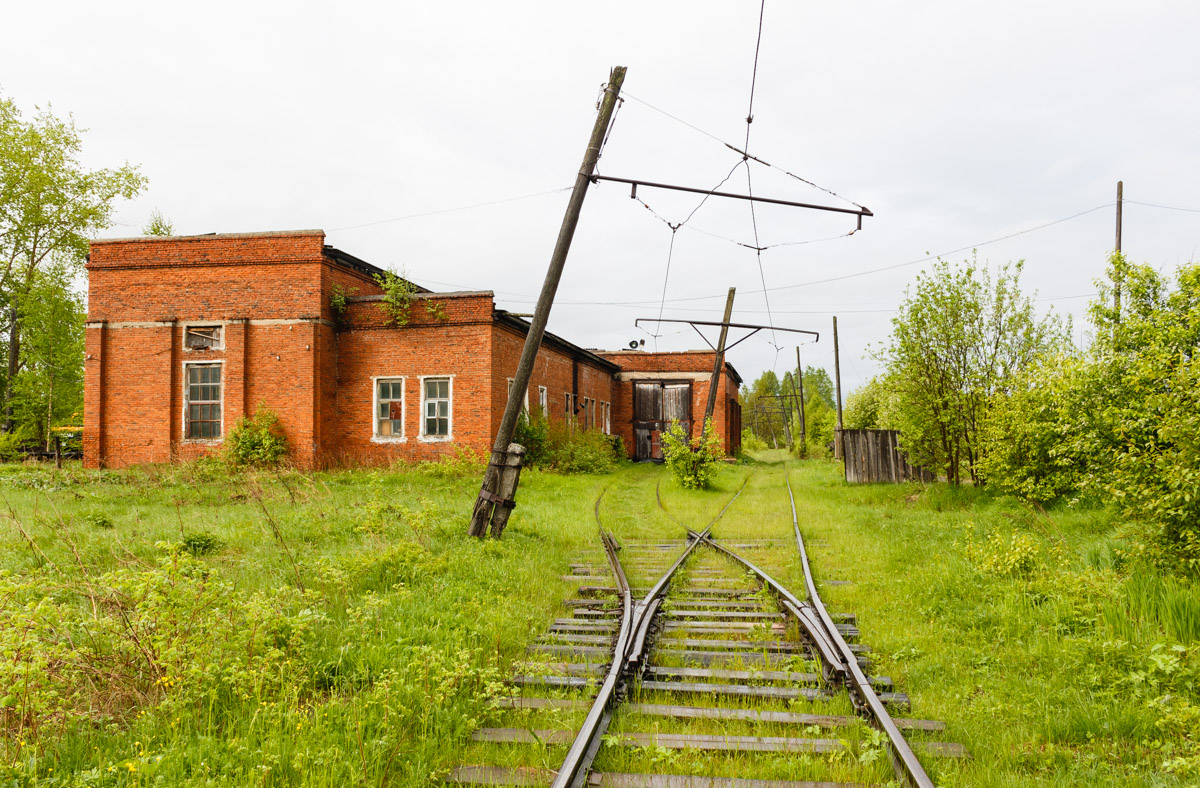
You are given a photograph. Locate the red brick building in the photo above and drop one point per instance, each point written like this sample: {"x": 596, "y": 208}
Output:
{"x": 187, "y": 334}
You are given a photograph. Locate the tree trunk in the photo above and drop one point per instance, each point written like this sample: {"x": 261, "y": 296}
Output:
{"x": 14, "y": 359}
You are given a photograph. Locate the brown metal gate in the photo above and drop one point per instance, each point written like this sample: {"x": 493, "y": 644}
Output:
{"x": 655, "y": 405}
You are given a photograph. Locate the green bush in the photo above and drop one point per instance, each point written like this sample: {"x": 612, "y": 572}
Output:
{"x": 257, "y": 441}
{"x": 692, "y": 461}
{"x": 201, "y": 543}
{"x": 534, "y": 434}
{"x": 581, "y": 451}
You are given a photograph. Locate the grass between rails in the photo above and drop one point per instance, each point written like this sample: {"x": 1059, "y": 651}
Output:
{"x": 176, "y": 626}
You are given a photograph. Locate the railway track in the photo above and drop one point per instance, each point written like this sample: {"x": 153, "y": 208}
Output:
{"x": 683, "y": 663}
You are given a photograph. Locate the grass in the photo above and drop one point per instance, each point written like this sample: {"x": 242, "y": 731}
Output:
{"x": 191, "y": 626}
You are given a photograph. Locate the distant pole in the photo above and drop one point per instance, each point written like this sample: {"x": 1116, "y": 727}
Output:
{"x": 488, "y": 498}
{"x": 799, "y": 380}
{"x": 718, "y": 363}
{"x": 1117, "y": 274}
{"x": 837, "y": 374}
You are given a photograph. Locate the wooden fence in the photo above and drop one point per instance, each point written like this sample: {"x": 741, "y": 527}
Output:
{"x": 875, "y": 456}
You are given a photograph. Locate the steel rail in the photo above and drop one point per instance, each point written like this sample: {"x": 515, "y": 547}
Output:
{"x": 833, "y": 664}
{"x": 628, "y": 650}
{"x": 904, "y": 760}
{"x": 712, "y": 522}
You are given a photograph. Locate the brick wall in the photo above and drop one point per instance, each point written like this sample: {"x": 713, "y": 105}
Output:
{"x": 270, "y": 294}
{"x": 694, "y": 366}
{"x": 285, "y": 347}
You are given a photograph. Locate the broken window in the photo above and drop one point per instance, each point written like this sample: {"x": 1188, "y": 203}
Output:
{"x": 389, "y": 414}
{"x": 435, "y": 407}
{"x": 202, "y": 337}
{"x": 544, "y": 401}
{"x": 202, "y": 393}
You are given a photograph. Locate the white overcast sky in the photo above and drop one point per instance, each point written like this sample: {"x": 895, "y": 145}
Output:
{"x": 955, "y": 122}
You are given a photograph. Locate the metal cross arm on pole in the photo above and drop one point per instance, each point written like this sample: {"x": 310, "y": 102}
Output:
{"x": 859, "y": 212}
{"x": 752, "y": 327}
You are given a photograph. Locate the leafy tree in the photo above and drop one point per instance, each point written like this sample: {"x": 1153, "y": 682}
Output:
{"x": 817, "y": 383}
{"x": 49, "y": 205}
{"x": 158, "y": 225}
{"x": 870, "y": 406}
{"x": 961, "y": 338}
{"x": 49, "y": 390}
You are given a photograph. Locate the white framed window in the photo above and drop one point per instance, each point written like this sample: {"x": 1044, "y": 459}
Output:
{"x": 569, "y": 408}
{"x": 437, "y": 411}
{"x": 587, "y": 422}
{"x": 203, "y": 396}
{"x": 198, "y": 336}
{"x": 525, "y": 404}
{"x": 606, "y": 417}
{"x": 388, "y": 407}
{"x": 544, "y": 401}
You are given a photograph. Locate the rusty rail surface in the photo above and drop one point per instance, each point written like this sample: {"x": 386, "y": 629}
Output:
{"x": 904, "y": 761}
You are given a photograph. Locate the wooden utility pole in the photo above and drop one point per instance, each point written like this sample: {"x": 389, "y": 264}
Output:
{"x": 718, "y": 363}
{"x": 1117, "y": 274}
{"x": 492, "y": 508}
{"x": 837, "y": 374}
{"x": 799, "y": 379}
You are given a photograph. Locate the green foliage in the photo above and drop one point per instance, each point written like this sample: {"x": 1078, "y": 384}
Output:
{"x": 583, "y": 451}
{"x": 397, "y": 296}
{"x": 1004, "y": 554}
{"x": 257, "y": 441}
{"x": 692, "y": 461}
{"x": 158, "y": 225}
{"x": 533, "y": 432}
{"x": 338, "y": 296}
{"x": 870, "y": 406}
{"x": 49, "y": 391}
{"x": 97, "y": 520}
{"x": 50, "y": 206}
{"x": 555, "y": 446}
{"x": 961, "y": 338}
{"x": 464, "y": 463}
{"x": 435, "y": 309}
{"x": 1120, "y": 422}
{"x": 200, "y": 543}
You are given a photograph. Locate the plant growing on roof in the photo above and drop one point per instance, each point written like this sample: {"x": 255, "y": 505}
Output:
{"x": 397, "y": 296}
{"x": 337, "y": 301}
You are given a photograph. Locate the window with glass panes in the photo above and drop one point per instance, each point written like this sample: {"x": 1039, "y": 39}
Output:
{"x": 389, "y": 413}
{"x": 203, "y": 392}
{"x": 436, "y": 407}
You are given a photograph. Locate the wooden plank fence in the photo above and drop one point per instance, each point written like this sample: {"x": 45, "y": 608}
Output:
{"x": 874, "y": 456}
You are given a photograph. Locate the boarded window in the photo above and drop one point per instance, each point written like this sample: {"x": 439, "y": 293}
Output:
{"x": 389, "y": 416}
{"x": 202, "y": 392}
{"x": 202, "y": 337}
{"x": 436, "y": 408}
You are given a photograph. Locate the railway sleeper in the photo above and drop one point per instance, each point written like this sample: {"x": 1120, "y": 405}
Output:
{"x": 715, "y": 713}
{"x": 696, "y": 741}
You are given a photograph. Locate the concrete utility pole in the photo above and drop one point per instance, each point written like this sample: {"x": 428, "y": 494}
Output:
{"x": 718, "y": 363}
{"x": 491, "y": 507}
{"x": 1117, "y": 284}
{"x": 837, "y": 374}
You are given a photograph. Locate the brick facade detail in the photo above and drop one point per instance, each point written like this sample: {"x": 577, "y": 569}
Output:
{"x": 284, "y": 346}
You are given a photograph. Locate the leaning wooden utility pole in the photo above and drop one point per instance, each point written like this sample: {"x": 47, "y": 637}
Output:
{"x": 837, "y": 374}
{"x": 493, "y": 506}
{"x": 718, "y": 363}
